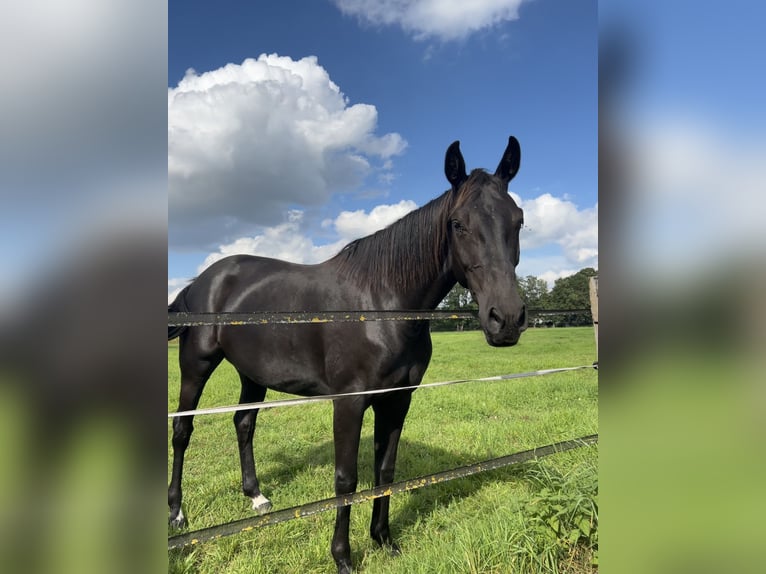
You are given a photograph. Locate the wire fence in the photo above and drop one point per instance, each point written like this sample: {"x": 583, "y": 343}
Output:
{"x": 292, "y": 318}
{"x": 248, "y": 524}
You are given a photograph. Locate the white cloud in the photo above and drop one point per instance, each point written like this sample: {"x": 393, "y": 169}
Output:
{"x": 289, "y": 241}
{"x": 248, "y": 142}
{"x": 355, "y": 224}
{"x": 175, "y": 284}
{"x": 551, "y": 276}
{"x": 442, "y": 19}
{"x": 286, "y": 241}
{"x": 552, "y": 220}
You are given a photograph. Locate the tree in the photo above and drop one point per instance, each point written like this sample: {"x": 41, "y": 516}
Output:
{"x": 459, "y": 298}
{"x": 533, "y": 291}
{"x": 572, "y": 292}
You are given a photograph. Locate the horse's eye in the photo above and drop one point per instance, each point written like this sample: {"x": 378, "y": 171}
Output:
{"x": 458, "y": 227}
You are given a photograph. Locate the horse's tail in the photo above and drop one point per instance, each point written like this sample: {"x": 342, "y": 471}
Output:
{"x": 178, "y": 305}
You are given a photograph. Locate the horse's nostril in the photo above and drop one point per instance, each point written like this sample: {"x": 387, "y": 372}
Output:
{"x": 496, "y": 319}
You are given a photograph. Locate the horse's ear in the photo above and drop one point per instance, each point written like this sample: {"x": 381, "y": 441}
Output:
{"x": 454, "y": 165}
{"x": 511, "y": 161}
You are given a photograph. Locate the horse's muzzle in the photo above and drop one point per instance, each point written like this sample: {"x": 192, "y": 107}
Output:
{"x": 504, "y": 330}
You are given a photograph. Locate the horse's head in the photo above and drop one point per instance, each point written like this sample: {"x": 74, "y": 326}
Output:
{"x": 483, "y": 232}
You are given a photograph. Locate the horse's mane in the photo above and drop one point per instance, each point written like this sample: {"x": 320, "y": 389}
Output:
{"x": 412, "y": 250}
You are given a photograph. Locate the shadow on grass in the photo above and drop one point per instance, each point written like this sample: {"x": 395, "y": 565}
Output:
{"x": 415, "y": 459}
{"x": 418, "y": 459}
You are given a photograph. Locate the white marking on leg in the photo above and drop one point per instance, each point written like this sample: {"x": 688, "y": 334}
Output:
{"x": 179, "y": 519}
{"x": 261, "y": 504}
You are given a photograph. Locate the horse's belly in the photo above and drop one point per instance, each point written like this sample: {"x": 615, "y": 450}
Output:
{"x": 287, "y": 358}
{"x": 321, "y": 359}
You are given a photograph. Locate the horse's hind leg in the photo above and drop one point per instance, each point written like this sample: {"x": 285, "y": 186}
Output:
{"x": 244, "y": 422}
{"x": 195, "y": 372}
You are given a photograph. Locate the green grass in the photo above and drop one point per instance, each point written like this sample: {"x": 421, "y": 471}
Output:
{"x": 494, "y": 522}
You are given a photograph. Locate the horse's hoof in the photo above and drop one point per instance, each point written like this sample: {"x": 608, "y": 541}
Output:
{"x": 261, "y": 504}
{"x": 345, "y": 569}
{"x": 387, "y": 544}
{"x": 393, "y": 549}
{"x": 179, "y": 521}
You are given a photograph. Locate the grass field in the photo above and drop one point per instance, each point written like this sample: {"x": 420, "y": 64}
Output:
{"x": 537, "y": 517}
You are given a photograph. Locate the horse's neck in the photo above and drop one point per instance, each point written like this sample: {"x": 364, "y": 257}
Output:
{"x": 437, "y": 291}
{"x": 425, "y": 296}
{"x": 432, "y": 287}
{"x": 406, "y": 265}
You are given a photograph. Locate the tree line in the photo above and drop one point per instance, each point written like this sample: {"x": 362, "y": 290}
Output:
{"x": 568, "y": 293}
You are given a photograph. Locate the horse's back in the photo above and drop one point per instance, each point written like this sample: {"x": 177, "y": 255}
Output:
{"x": 249, "y": 283}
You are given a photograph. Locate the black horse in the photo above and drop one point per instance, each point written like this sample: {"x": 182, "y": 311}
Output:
{"x": 470, "y": 234}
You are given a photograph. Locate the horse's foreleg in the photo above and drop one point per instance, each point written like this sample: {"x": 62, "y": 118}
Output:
{"x": 347, "y": 426}
{"x": 390, "y": 412}
{"x": 244, "y": 422}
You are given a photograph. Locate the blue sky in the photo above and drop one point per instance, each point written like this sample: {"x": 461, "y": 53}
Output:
{"x": 341, "y": 126}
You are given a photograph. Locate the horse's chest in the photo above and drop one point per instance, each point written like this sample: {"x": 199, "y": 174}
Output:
{"x": 390, "y": 355}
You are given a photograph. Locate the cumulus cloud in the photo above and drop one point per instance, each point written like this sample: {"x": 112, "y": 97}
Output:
{"x": 247, "y": 142}
{"x": 289, "y": 240}
{"x": 440, "y": 19}
{"x": 175, "y": 284}
{"x": 354, "y": 224}
{"x": 553, "y": 220}
{"x": 550, "y": 277}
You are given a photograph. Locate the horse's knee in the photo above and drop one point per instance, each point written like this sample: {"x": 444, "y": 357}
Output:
{"x": 386, "y": 475}
{"x": 182, "y": 431}
{"x": 345, "y": 482}
{"x": 244, "y": 424}
{"x": 241, "y": 420}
